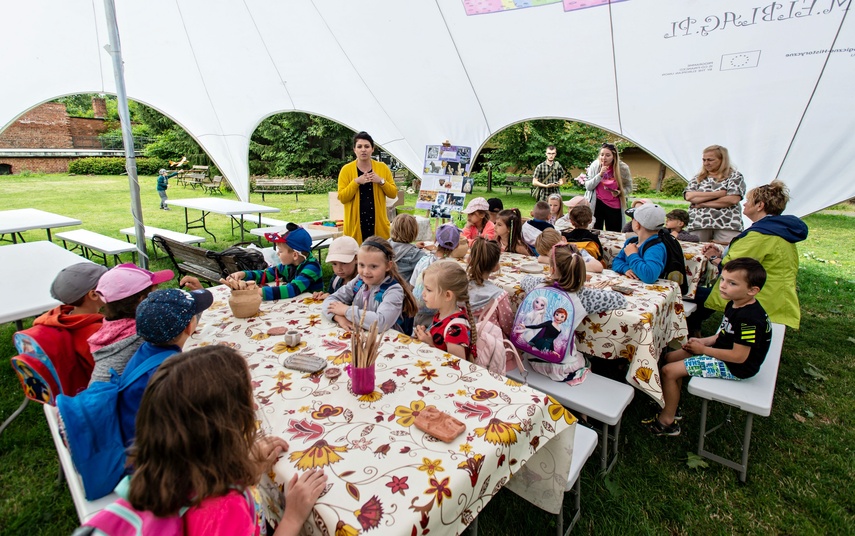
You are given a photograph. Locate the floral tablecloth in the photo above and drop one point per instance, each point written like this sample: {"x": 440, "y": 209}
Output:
{"x": 696, "y": 263}
{"x": 652, "y": 319}
{"x": 383, "y": 471}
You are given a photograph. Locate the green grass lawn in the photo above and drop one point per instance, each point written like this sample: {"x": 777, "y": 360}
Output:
{"x": 802, "y": 462}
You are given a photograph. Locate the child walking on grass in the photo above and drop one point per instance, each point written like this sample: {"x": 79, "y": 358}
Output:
{"x": 162, "y": 184}
{"x": 453, "y": 329}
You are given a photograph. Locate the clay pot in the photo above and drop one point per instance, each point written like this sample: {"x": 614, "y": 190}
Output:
{"x": 244, "y": 303}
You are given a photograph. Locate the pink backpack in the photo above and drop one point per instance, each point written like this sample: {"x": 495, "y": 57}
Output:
{"x": 122, "y": 519}
{"x": 492, "y": 350}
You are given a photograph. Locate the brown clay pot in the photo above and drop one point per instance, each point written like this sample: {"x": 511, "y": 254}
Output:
{"x": 244, "y": 303}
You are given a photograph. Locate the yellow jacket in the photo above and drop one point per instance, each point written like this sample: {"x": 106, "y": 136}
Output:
{"x": 348, "y": 194}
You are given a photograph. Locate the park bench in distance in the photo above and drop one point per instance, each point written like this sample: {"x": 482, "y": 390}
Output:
{"x": 515, "y": 180}
{"x": 279, "y": 185}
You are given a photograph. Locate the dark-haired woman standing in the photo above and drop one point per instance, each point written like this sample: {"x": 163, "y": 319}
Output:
{"x": 363, "y": 186}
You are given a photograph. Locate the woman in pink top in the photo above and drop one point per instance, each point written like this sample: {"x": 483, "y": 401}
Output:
{"x": 603, "y": 190}
{"x": 478, "y": 221}
{"x": 197, "y": 445}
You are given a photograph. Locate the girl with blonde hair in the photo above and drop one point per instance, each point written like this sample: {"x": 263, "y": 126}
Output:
{"x": 446, "y": 287}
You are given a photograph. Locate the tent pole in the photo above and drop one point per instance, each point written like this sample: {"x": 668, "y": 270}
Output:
{"x": 115, "y": 50}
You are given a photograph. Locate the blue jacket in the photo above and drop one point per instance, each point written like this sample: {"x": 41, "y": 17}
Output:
{"x": 647, "y": 264}
{"x": 131, "y": 397}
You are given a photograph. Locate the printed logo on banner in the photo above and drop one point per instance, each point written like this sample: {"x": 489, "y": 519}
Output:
{"x": 740, "y": 60}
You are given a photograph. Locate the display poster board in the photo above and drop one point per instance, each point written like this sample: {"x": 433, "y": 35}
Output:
{"x": 445, "y": 179}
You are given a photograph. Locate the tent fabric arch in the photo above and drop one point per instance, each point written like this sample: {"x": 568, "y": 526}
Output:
{"x": 770, "y": 81}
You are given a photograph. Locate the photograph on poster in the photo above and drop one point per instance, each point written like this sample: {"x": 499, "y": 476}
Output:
{"x": 468, "y": 183}
{"x": 432, "y": 152}
{"x": 440, "y": 211}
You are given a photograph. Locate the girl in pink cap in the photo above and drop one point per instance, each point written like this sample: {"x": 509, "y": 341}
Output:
{"x": 478, "y": 221}
{"x": 122, "y": 289}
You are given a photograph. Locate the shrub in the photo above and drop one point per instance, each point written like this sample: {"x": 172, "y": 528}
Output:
{"x": 673, "y": 186}
{"x": 641, "y": 185}
{"x": 114, "y": 166}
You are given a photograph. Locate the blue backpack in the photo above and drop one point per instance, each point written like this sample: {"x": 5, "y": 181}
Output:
{"x": 90, "y": 422}
{"x": 402, "y": 324}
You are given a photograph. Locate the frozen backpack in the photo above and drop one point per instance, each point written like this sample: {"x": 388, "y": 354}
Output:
{"x": 492, "y": 350}
{"x": 544, "y": 328}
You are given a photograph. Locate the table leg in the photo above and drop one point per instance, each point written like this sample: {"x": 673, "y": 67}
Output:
{"x": 188, "y": 224}
{"x": 15, "y": 414}
{"x": 48, "y": 235}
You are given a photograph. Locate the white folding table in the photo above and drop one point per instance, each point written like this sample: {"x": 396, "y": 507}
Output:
{"x": 17, "y": 221}
{"x": 26, "y": 273}
{"x": 227, "y": 207}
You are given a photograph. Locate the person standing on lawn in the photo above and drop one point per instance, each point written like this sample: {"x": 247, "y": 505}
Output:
{"x": 162, "y": 185}
{"x": 548, "y": 176}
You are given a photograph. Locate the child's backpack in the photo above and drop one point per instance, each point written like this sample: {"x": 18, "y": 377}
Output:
{"x": 492, "y": 350}
{"x": 402, "y": 324}
{"x": 675, "y": 262}
{"x": 592, "y": 246}
{"x": 47, "y": 365}
{"x": 122, "y": 519}
{"x": 90, "y": 422}
{"x": 245, "y": 258}
{"x": 534, "y": 332}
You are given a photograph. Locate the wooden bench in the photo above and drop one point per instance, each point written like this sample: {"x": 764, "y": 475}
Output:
{"x": 752, "y": 395}
{"x": 93, "y": 244}
{"x": 196, "y": 261}
{"x": 85, "y": 509}
{"x": 193, "y": 179}
{"x": 515, "y": 180}
{"x": 597, "y": 397}
{"x": 279, "y": 186}
{"x": 213, "y": 186}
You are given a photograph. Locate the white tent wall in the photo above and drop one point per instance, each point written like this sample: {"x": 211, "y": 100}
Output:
{"x": 735, "y": 72}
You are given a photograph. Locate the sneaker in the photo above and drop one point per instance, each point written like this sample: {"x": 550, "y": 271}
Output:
{"x": 165, "y": 208}
{"x": 649, "y": 420}
{"x": 659, "y": 429}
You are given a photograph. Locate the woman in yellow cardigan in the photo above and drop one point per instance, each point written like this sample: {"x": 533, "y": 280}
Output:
{"x": 363, "y": 186}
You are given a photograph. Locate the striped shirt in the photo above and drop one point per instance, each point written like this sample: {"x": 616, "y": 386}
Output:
{"x": 292, "y": 280}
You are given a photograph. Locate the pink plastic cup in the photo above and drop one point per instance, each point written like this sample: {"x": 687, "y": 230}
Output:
{"x": 362, "y": 380}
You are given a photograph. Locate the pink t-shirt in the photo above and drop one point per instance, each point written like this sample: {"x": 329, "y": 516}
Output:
{"x": 470, "y": 233}
{"x": 605, "y": 189}
{"x": 228, "y": 514}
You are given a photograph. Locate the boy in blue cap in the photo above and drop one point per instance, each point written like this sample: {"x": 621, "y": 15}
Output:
{"x": 165, "y": 320}
{"x": 298, "y": 272}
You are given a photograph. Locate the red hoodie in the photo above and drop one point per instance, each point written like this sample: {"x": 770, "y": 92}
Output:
{"x": 80, "y": 327}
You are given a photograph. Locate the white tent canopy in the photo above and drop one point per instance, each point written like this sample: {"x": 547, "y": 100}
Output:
{"x": 773, "y": 82}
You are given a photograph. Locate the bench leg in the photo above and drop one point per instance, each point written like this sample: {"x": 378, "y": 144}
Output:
{"x": 742, "y": 467}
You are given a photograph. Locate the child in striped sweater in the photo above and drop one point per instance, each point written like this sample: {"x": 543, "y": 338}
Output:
{"x": 299, "y": 272}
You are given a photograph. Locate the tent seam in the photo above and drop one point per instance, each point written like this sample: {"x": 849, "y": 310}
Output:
{"x": 614, "y": 68}
{"x": 97, "y": 47}
{"x": 812, "y": 94}
{"x": 269, "y": 55}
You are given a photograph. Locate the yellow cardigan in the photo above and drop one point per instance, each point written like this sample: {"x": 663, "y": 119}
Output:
{"x": 348, "y": 194}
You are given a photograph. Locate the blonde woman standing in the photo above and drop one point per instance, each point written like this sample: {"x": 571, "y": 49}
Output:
{"x": 603, "y": 190}
{"x": 714, "y": 194}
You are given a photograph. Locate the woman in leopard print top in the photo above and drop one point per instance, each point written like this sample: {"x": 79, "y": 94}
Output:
{"x": 714, "y": 194}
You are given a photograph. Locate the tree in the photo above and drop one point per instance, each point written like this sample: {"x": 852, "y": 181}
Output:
{"x": 521, "y": 147}
{"x": 296, "y": 143}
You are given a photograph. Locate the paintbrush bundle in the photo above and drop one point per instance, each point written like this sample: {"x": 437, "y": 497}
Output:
{"x": 365, "y": 345}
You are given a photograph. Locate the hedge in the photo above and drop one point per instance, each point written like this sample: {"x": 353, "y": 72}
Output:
{"x": 114, "y": 166}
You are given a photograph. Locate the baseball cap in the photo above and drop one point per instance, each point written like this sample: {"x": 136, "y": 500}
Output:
{"x": 127, "y": 279}
{"x": 447, "y": 236}
{"x": 495, "y": 204}
{"x": 343, "y": 249}
{"x": 479, "y": 203}
{"x": 164, "y": 314}
{"x": 298, "y": 239}
{"x": 73, "y": 282}
{"x": 649, "y": 215}
{"x": 575, "y": 201}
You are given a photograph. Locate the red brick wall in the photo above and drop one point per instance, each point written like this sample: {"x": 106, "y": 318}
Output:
{"x": 99, "y": 107}
{"x": 84, "y": 132}
{"x": 41, "y": 165}
{"x": 43, "y": 127}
